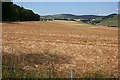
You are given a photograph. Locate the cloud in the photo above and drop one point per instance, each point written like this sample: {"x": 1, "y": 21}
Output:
{"x": 118, "y": 9}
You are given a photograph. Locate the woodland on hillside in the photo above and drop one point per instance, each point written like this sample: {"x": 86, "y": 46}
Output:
{"x": 13, "y": 12}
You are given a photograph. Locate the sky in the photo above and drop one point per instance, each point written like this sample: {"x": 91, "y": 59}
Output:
{"x": 77, "y": 8}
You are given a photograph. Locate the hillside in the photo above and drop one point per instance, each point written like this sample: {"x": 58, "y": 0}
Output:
{"x": 61, "y": 16}
{"x": 110, "y": 20}
{"x": 91, "y": 16}
{"x": 71, "y": 16}
{"x": 13, "y": 12}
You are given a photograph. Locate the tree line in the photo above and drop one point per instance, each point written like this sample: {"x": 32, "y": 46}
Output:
{"x": 13, "y": 12}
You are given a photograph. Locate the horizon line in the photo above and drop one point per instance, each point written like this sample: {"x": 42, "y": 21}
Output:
{"x": 78, "y": 14}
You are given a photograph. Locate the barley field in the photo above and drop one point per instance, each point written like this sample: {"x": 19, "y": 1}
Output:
{"x": 54, "y": 48}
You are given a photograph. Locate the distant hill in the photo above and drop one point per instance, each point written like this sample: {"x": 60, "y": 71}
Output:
{"x": 71, "y": 16}
{"x": 91, "y": 16}
{"x": 110, "y": 20}
{"x": 61, "y": 16}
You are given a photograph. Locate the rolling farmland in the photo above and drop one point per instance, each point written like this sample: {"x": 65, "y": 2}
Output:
{"x": 62, "y": 46}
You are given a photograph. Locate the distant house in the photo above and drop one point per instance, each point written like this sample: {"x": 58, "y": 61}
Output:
{"x": 78, "y": 20}
{"x": 93, "y": 19}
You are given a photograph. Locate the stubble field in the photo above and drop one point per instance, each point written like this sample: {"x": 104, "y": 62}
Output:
{"x": 54, "y": 48}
